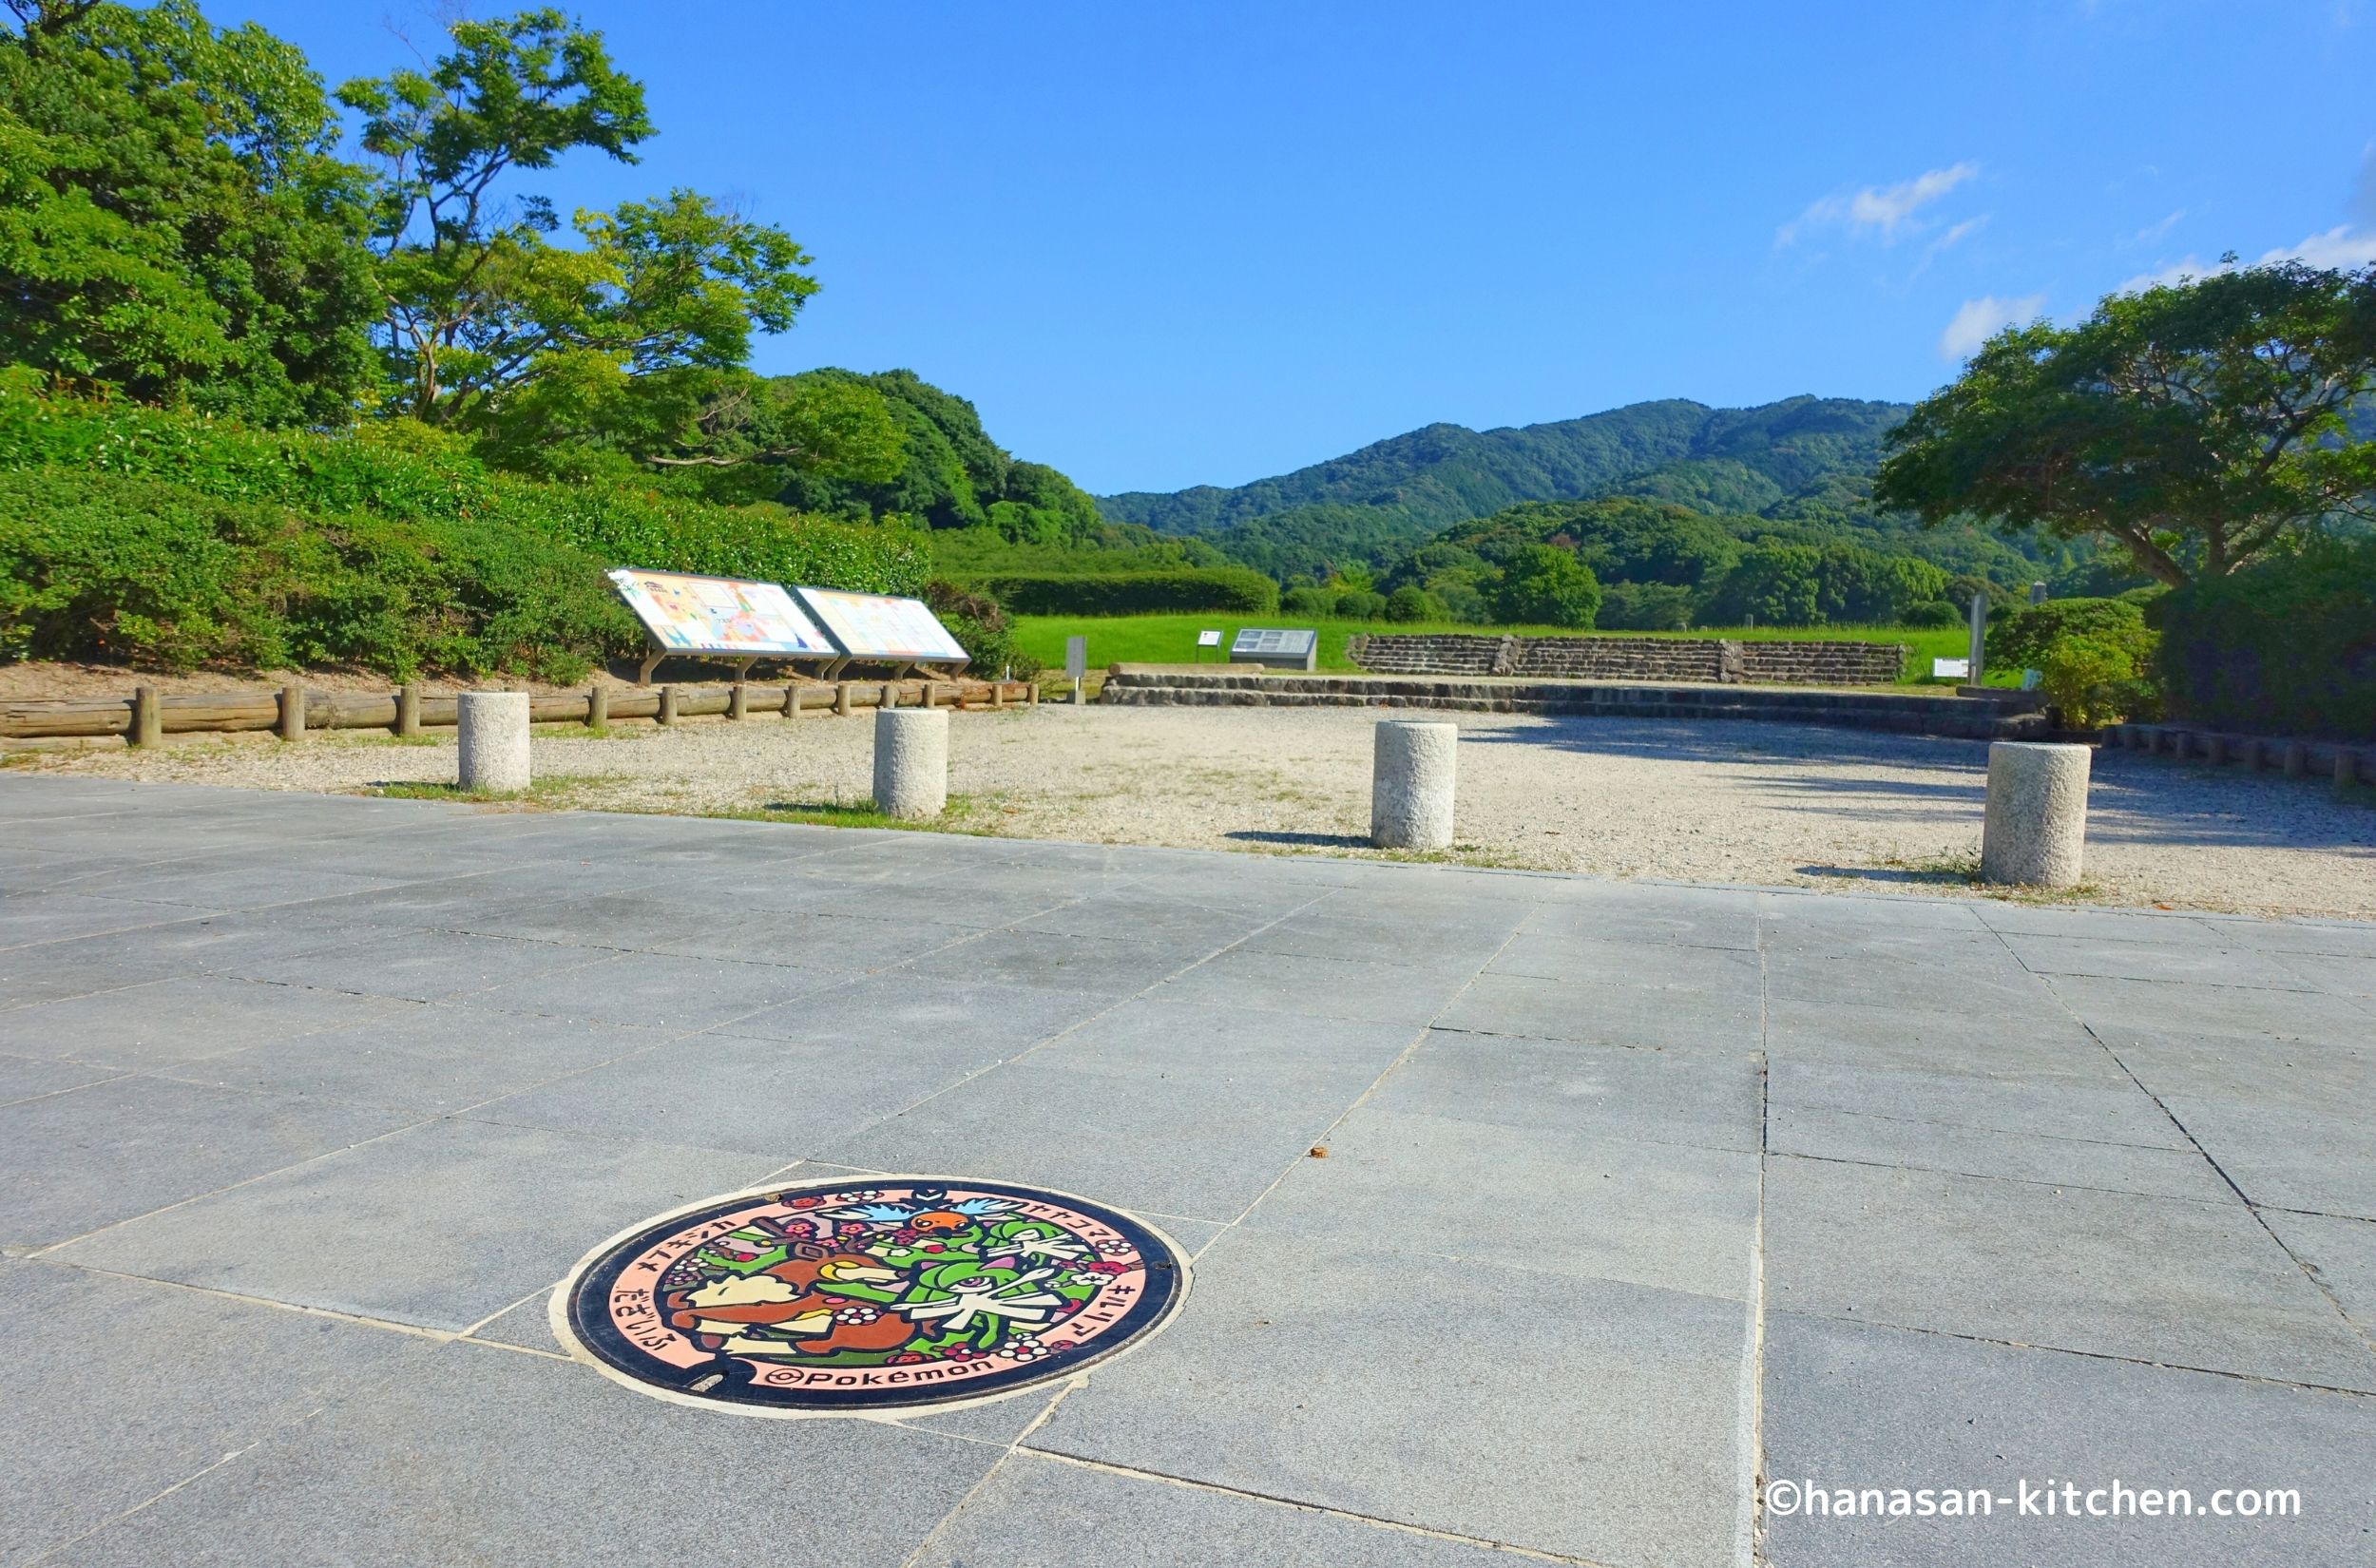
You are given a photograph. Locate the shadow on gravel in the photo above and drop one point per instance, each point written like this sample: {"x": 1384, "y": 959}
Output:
{"x": 1325, "y": 841}
{"x": 2137, "y": 801}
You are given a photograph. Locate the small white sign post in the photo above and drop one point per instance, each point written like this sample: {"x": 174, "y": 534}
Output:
{"x": 1208, "y": 640}
{"x": 1076, "y": 663}
{"x": 1974, "y": 665}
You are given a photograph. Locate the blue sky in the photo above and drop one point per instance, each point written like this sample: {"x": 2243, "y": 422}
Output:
{"x": 1169, "y": 243}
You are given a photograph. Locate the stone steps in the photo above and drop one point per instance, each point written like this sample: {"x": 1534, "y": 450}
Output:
{"x": 1713, "y": 659}
{"x": 1975, "y": 719}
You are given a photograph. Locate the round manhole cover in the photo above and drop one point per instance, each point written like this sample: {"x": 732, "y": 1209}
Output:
{"x": 851, "y": 1295}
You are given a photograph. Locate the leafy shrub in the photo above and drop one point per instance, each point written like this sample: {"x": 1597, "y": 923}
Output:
{"x": 1134, "y": 593}
{"x": 1644, "y": 607}
{"x": 2285, "y": 647}
{"x": 2021, "y": 639}
{"x": 2093, "y": 656}
{"x": 1361, "y": 604}
{"x": 2093, "y": 682}
{"x": 979, "y": 626}
{"x": 406, "y": 470}
{"x": 1934, "y": 613}
{"x": 96, "y": 566}
{"x": 1543, "y": 585}
{"x": 1308, "y": 600}
{"x": 1410, "y": 604}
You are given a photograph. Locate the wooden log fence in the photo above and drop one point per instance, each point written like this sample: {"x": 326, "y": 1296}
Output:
{"x": 2345, "y": 764}
{"x": 147, "y": 715}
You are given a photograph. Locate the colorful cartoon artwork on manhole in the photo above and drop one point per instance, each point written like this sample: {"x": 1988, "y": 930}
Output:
{"x": 817, "y": 1298}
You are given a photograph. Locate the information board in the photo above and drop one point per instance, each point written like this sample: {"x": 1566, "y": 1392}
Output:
{"x": 1950, "y": 669}
{"x": 869, "y": 625}
{"x": 1264, "y": 641}
{"x": 1208, "y": 640}
{"x": 720, "y": 615}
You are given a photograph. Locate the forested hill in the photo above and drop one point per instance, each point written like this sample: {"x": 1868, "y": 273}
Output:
{"x": 1737, "y": 460}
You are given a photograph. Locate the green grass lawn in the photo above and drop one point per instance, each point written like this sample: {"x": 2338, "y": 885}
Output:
{"x": 1172, "y": 639}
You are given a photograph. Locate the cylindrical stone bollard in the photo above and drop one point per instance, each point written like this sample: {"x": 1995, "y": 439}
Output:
{"x": 493, "y": 728}
{"x": 2037, "y": 820}
{"x": 910, "y": 761}
{"x": 598, "y": 706}
{"x": 1412, "y": 783}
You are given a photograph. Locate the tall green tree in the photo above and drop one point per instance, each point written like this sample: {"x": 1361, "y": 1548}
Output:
{"x": 487, "y": 319}
{"x": 1544, "y": 586}
{"x": 2199, "y": 425}
{"x": 173, "y": 222}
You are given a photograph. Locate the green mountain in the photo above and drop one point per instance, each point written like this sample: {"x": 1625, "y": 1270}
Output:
{"x": 1800, "y": 468}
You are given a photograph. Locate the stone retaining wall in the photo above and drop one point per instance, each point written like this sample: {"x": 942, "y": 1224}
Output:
{"x": 1976, "y": 718}
{"x": 1716, "y": 660}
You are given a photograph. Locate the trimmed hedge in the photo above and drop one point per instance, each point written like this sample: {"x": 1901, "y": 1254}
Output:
{"x": 2287, "y": 648}
{"x": 139, "y": 571}
{"x": 1233, "y": 588}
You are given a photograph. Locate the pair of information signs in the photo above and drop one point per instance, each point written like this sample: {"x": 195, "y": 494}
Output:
{"x": 734, "y": 618}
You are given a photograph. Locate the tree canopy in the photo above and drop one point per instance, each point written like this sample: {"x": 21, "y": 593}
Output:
{"x": 179, "y": 226}
{"x": 173, "y": 222}
{"x": 2201, "y": 426}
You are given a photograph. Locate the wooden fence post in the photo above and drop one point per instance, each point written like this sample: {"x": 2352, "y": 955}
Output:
{"x": 598, "y": 706}
{"x": 148, "y": 725}
{"x": 292, "y": 713}
{"x": 842, "y": 704}
{"x": 739, "y": 701}
{"x": 667, "y": 705}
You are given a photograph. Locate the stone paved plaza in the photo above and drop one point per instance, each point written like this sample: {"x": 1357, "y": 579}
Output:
{"x": 1632, "y": 1194}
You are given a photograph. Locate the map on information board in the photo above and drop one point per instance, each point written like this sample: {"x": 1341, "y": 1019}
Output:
{"x": 869, "y": 625}
{"x": 1271, "y": 639}
{"x": 720, "y": 615}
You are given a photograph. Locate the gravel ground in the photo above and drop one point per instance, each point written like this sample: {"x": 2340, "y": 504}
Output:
{"x": 1720, "y": 801}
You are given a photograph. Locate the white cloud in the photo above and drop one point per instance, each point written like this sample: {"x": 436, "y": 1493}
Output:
{"x": 1978, "y": 319}
{"x": 2151, "y": 232}
{"x": 2339, "y": 247}
{"x": 1880, "y": 208}
{"x": 1957, "y": 234}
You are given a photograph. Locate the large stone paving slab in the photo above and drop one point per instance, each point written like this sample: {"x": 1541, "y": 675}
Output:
{"x": 487, "y": 1456}
{"x": 1854, "y": 1405}
{"x": 440, "y": 1225}
{"x": 2153, "y": 1279}
{"x": 1625, "y": 1192}
{"x": 1432, "y": 1410}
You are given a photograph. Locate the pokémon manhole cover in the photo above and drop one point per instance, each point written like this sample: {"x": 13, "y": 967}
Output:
{"x": 907, "y": 1290}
